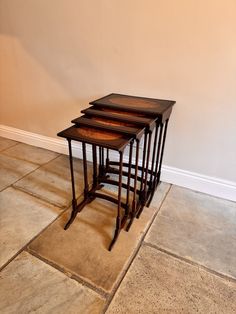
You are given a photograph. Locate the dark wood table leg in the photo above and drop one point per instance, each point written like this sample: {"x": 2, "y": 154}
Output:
{"x": 159, "y": 158}
{"x": 128, "y": 181}
{"x": 144, "y": 196}
{"x": 74, "y": 201}
{"x": 151, "y": 181}
{"x": 77, "y": 208}
{"x": 134, "y": 203}
{"x": 118, "y": 218}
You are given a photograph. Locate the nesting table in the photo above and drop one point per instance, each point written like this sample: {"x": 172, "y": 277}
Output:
{"x": 125, "y": 124}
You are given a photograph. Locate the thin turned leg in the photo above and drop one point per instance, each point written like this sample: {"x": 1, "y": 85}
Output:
{"x": 134, "y": 203}
{"x": 118, "y": 218}
{"x": 157, "y": 162}
{"x": 107, "y": 159}
{"x": 103, "y": 159}
{"x": 86, "y": 185}
{"x": 154, "y": 154}
{"x": 143, "y": 165}
{"x": 129, "y": 179}
{"x": 144, "y": 198}
{"x": 162, "y": 152}
{"x": 95, "y": 172}
{"x": 74, "y": 202}
{"x": 159, "y": 157}
{"x": 77, "y": 208}
{"x": 100, "y": 162}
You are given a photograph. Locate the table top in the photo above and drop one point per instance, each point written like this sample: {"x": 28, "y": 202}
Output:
{"x": 90, "y": 135}
{"x": 148, "y": 106}
{"x": 120, "y": 116}
{"x": 126, "y": 129}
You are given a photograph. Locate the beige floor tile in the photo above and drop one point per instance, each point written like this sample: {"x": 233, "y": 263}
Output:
{"x": 82, "y": 249}
{"x": 22, "y": 217}
{"x": 27, "y": 285}
{"x": 51, "y": 182}
{"x": 6, "y": 143}
{"x": 198, "y": 227}
{"x": 30, "y": 153}
{"x": 158, "y": 283}
{"x": 12, "y": 169}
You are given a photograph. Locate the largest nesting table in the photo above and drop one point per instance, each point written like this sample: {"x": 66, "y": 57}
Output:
{"x": 123, "y": 124}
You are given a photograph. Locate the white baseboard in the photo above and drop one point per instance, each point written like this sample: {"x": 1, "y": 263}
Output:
{"x": 198, "y": 182}
{"x": 58, "y": 145}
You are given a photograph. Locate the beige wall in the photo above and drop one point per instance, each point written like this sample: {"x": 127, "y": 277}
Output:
{"x": 56, "y": 55}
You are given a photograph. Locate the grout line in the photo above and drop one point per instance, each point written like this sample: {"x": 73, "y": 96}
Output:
{"x": 4, "y": 149}
{"x": 62, "y": 211}
{"x": 112, "y": 294}
{"x": 26, "y": 160}
{"x": 5, "y": 188}
{"x": 99, "y": 291}
{"x": 77, "y": 278}
{"x": 193, "y": 263}
{"x": 39, "y": 166}
{"x": 61, "y": 207}
{"x": 39, "y": 196}
{"x": 31, "y": 240}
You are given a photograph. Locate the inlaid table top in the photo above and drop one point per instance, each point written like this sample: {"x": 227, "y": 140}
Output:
{"x": 90, "y": 135}
{"x": 136, "y": 104}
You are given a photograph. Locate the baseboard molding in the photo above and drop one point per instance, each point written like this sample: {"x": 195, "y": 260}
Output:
{"x": 198, "y": 182}
{"x": 201, "y": 183}
{"x": 55, "y": 144}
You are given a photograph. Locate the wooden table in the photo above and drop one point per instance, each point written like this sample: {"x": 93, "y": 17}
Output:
{"x": 117, "y": 122}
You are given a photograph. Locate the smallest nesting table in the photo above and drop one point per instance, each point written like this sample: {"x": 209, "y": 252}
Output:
{"x": 117, "y": 139}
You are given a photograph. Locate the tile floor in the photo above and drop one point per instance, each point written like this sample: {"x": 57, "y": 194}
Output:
{"x": 179, "y": 257}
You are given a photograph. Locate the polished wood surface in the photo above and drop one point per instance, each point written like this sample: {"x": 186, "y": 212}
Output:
{"x": 150, "y": 106}
{"x": 107, "y": 139}
{"x": 120, "y": 128}
{"x": 119, "y": 115}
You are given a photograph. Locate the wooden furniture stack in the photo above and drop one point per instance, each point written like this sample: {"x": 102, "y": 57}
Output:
{"x": 121, "y": 123}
